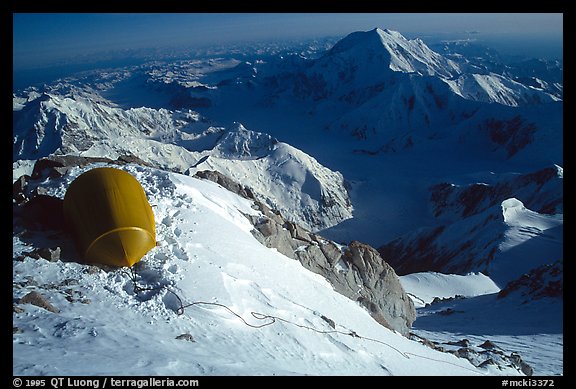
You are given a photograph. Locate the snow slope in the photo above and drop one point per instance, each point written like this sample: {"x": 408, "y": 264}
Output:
{"x": 287, "y": 179}
{"x": 504, "y": 241}
{"x": 513, "y": 321}
{"x": 533, "y": 329}
{"x": 495, "y": 88}
{"x": 424, "y": 287}
{"x": 206, "y": 253}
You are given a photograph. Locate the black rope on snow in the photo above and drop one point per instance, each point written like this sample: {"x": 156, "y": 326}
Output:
{"x": 273, "y": 319}
{"x": 232, "y": 312}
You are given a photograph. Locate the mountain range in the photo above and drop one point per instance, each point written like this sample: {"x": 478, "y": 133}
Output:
{"x": 444, "y": 159}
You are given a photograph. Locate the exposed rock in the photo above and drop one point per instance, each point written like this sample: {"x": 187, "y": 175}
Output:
{"x": 381, "y": 286}
{"x": 448, "y": 311}
{"x": 518, "y": 362}
{"x": 425, "y": 341}
{"x": 488, "y": 355}
{"x": 437, "y": 300}
{"x": 58, "y": 165}
{"x": 41, "y": 212}
{"x": 487, "y": 362}
{"x": 488, "y": 345}
{"x": 544, "y": 281}
{"x": 271, "y": 234}
{"x": 513, "y": 134}
{"x": 540, "y": 191}
{"x": 329, "y": 321}
{"x": 38, "y": 300}
{"x": 16, "y": 330}
{"x": 186, "y": 337}
{"x": 459, "y": 343}
{"x": 358, "y": 273}
{"x": 225, "y": 182}
{"x": 17, "y": 309}
{"x": 51, "y": 254}
{"x": 19, "y": 189}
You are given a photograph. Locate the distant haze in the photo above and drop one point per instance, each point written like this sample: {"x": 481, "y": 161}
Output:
{"x": 43, "y": 40}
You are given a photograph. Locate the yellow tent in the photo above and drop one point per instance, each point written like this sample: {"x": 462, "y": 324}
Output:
{"x": 110, "y": 217}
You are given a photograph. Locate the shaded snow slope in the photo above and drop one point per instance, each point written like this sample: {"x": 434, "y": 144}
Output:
{"x": 525, "y": 317}
{"x": 504, "y": 241}
{"x": 205, "y": 253}
{"x": 533, "y": 330}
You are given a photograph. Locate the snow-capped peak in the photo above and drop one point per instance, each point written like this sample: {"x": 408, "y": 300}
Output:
{"x": 395, "y": 51}
{"x": 241, "y": 143}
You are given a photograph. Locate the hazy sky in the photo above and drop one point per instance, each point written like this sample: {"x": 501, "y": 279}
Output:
{"x": 41, "y": 39}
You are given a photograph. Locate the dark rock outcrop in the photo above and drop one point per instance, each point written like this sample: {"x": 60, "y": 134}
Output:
{"x": 225, "y": 182}
{"x": 540, "y": 191}
{"x": 543, "y": 281}
{"x": 58, "y": 165}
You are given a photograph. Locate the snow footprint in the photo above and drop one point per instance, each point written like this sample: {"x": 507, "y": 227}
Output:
{"x": 179, "y": 252}
{"x": 171, "y": 268}
{"x": 167, "y": 221}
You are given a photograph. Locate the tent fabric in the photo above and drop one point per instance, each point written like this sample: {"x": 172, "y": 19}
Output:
{"x": 110, "y": 218}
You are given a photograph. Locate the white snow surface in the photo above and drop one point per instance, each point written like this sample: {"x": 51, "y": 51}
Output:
{"x": 182, "y": 140}
{"x": 401, "y": 54}
{"x": 290, "y": 181}
{"x": 205, "y": 253}
{"x": 424, "y": 287}
{"x": 22, "y": 167}
{"x": 495, "y": 88}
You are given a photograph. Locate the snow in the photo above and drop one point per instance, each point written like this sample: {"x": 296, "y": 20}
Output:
{"x": 424, "y": 287}
{"x": 495, "y": 88}
{"x": 285, "y": 178}
{"x": 402, "y": 55}
{"x": 123, "y": 333}
{"x": 532, "y": 328}
{"x": 530, "y": 240}
{"x": 183, "y": 140}
{"x": 22, "y": 167}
